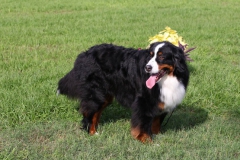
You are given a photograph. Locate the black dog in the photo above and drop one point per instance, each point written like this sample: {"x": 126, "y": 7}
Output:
{"x": 152, "y": 82}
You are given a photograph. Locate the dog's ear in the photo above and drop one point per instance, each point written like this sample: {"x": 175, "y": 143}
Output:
{"x": 179, "y": 60}
{"x": 150, "y": 46}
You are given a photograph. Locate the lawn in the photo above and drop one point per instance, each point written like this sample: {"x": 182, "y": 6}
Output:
{"x": 39, "y": 41}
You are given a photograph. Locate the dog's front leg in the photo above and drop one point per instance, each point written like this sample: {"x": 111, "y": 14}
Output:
{"x": 141, "y": 123}
{"x": 157, "y": 122}
{"x": 140, "y": 134}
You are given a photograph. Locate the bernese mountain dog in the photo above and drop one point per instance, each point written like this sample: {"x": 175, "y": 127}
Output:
{"x": 151, "y": 82}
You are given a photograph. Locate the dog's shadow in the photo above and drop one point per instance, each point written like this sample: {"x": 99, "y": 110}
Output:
{"x": 184, "y": 117}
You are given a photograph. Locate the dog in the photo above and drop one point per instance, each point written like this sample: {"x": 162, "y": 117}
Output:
{"x": 151, "y": 82}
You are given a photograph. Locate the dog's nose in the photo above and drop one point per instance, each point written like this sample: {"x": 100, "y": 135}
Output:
{"x": 148, "y": 68}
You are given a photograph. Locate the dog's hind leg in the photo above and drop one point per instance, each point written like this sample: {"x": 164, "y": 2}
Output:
{"x": 92, "y": 111}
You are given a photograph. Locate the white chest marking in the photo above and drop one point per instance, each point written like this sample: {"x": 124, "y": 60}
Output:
{"x": 172, "y": 92}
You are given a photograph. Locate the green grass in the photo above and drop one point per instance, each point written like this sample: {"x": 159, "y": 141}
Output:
{"x": 40, "y": 41}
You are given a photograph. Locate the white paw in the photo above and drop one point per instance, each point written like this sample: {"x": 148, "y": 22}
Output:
{"x": 96, "y": 133}
{"x": 58, "y": 92}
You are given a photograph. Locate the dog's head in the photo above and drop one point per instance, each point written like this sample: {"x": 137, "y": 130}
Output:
{"x": 166, "y": 59}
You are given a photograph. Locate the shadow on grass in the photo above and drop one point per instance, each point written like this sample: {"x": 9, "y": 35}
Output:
{"x": 184, "y": 117}
{"x": 113, "y": 113}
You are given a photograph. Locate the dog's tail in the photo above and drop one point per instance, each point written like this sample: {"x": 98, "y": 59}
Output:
{"x": 68, "y": 85}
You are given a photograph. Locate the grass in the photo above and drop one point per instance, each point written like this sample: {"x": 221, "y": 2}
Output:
{"x": 40, "y": 41}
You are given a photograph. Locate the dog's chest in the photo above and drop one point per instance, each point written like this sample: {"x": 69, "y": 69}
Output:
{"x": 172, "y": 92}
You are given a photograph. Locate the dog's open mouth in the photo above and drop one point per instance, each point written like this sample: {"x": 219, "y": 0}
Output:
{"x": 154, "y": 78}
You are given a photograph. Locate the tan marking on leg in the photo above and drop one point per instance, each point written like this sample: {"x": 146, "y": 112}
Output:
{"x": 97, "y": 115}
{"x": 141, "y": 136}
{"x": 135, "y": 132}
{"x": 144, "y": 137}
{"x": 156, "y": 125}
{"x": 92, "y": 129}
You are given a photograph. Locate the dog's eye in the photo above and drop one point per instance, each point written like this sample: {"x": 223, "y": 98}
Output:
{"x": 161, "y": 57}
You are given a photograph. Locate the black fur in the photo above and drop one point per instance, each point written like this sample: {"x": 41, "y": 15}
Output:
{"x": 106, "y": 71}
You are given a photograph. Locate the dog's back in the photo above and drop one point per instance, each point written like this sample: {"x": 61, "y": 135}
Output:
{"x": 106, "y": 69}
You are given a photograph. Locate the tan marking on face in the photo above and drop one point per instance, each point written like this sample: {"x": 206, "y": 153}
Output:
{"x": 169, "y": 67}
{"x": 160, "y": 57}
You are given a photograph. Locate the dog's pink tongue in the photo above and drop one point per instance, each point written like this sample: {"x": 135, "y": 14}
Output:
{"x": 151, "y": 81}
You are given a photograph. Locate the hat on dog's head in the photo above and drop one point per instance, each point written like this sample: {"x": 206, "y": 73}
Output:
{"x": 171, "y": 36}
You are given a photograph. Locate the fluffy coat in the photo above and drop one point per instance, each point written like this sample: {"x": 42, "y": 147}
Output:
{"x": 108, "y": 71}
